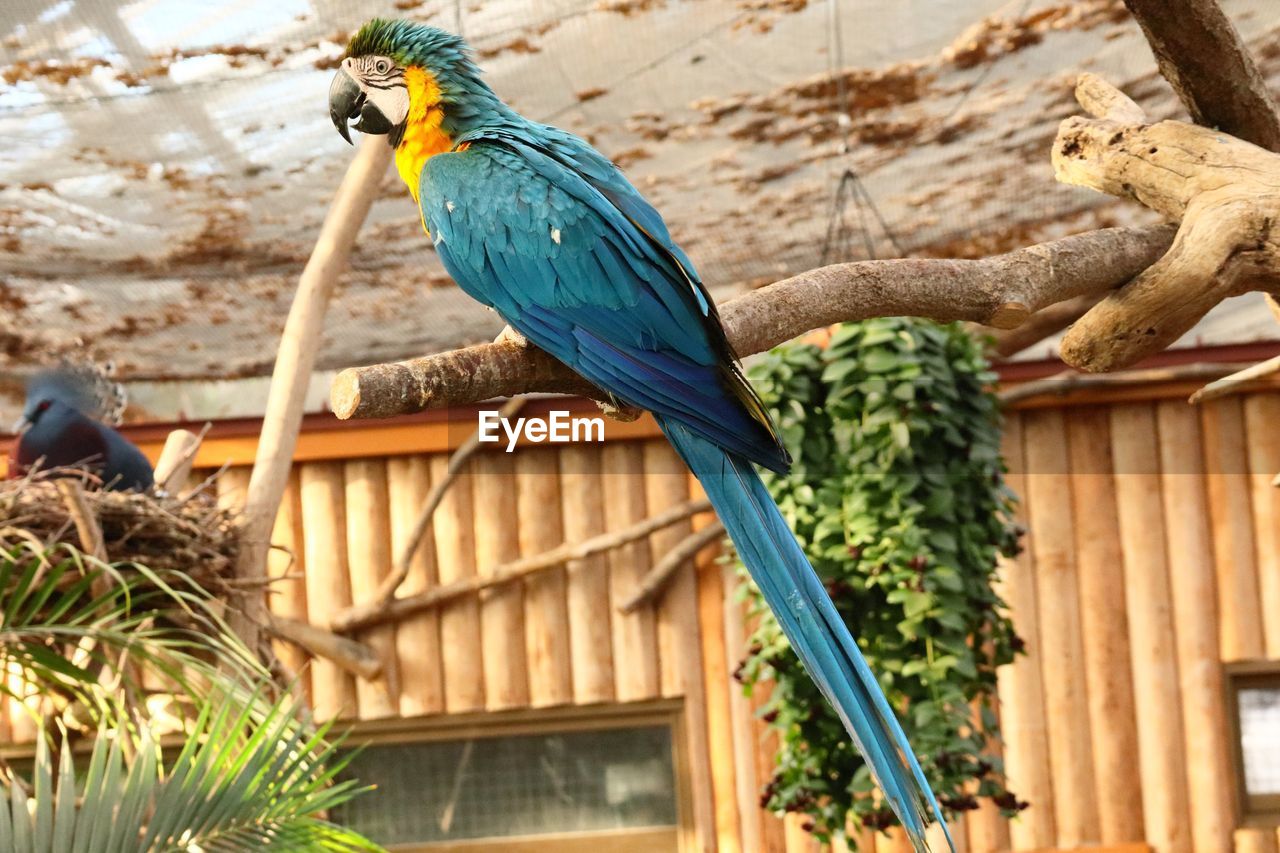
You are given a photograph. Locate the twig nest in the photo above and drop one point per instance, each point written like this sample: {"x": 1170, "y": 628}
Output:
{"x": 191, "y": 534}
{"x": 1225, "y": 193}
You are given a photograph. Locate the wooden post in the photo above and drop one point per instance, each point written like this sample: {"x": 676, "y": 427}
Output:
{"x": 460, "y": 646}
{"x": 747, "y": 774}
{"x": 506, "y": 678}
{"x": 1048, "y": 496}
{"x": 1261, "y": 414}
{"x": 1021, "y": 684}
{"x": 418, "y": 636}
{"x": 1255, "y": 840}
{"x": 368, "y": 517}
{"x": 635, "y": 639}
{"x": 1226, "y": 465}
{"x": 590, "y": 616}
{"x": 288, "y": 598}
{"x": 1151, "y": 630}
{"x": 295, "y": 360}
{"x": 176, "y": 458}
{"x": 716, "y": 686}
{"x": 546, "y": 612}
{"x": 1191, "y": 575}
{"x": 333, "y": 691}
{"x": 679, "y": 647}
{"x": 1105, "y": 628}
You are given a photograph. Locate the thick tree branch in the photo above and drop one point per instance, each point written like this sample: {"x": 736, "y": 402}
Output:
{"x": 1225, "y": 192}
{"x": 1206, "y": 62}
{"x": 1001, "y": 291}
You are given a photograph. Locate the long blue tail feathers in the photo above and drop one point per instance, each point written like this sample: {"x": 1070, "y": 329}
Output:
{"x": 810, "y": 621}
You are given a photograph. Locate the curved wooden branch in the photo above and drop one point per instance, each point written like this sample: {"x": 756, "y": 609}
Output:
{"x": 1226, "y": 193}
{"x": 653, "y": 583}
{"x": 1001, "y": 291}
{"x": 401, "y": 608}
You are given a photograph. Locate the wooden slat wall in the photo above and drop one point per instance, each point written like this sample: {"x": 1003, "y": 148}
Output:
{"x": 1148, "y": 521}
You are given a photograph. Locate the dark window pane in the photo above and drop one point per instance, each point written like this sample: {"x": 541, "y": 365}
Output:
{"x": 517, "y": 785}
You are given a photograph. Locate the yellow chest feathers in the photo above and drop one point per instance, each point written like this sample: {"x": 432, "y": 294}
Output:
{"x": 423, "y": 137}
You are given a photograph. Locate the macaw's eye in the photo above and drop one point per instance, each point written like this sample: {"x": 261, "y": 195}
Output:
{"x": 382, "y": 66}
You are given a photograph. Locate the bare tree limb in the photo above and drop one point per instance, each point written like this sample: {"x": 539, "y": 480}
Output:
{"x": 655, "y": 581}
{"x": 356, "y": 658}
{"x": 87, "y": 527}
{"x": 1007, "y": 343}
{"x": 1001, "y": 291}
{"x": 1068, "y": 381}
{"x": 1225, "y": 192}
{"x": 401, "y": 608}
{"x": 1236, "y": 382}
{"x": 1208, "y": 65}
{"x": 179, "y": 454}
{"x": 386, "y": 591}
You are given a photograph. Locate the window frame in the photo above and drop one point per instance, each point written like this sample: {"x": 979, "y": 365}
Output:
{"x": 1258, "y": 810}
{"x": 391, "y": 731}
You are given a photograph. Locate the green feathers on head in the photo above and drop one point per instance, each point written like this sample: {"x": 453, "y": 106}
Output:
{"x": 410, "y": 43}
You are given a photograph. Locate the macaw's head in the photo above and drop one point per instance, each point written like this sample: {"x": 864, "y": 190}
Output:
{"x": 396, "y": 73}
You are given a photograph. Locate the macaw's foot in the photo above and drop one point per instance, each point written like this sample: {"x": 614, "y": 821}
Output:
{"x": 617, "y": 411}
{"x": 510, "y": 335}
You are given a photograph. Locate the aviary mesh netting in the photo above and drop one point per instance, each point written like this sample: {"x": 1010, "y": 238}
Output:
{"x": 166, "y": 163}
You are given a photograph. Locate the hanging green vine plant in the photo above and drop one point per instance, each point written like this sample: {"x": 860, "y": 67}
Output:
{"x": 897, "y": 491}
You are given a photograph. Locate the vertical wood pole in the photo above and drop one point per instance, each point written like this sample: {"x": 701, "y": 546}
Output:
{"x": 1261, "y": 416}
{"x": 799, "y": 841}
{"x": 590, "y": 634}
{"x": 746, "y": 773}
{"x": 418, "y": 637}
{"x": 1105, "y": 628}
{"x": 1255, "y": 840}
{"x": 766, "y": 743}
{"x": 506, "y": 678}
{"x": 1061, "y": 642}
{"x": 288, "y": 598}
{"x": 1226, "y": 465}
{"x": 1021, "y": 683}
{"x": 986, "y": 830}
{"x": 460, "y": 650}
{"x": 333, "y": 691}
{"x": 546, "y": 606}
{"x": 1191, "y": 577}
{"x": 369, "y": 558}
{"x": 716, "y": 685}
{"x": 1151, "y": 630}
{"x": 295, "y": 360}
{"x": 635, "y": 639}
{"x": 679, "y": 644}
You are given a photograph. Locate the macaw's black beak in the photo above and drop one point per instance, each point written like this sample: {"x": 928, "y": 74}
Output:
{"x": 347, "y": 102}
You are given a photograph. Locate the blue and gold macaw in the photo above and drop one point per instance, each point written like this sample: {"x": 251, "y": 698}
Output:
{"x": 535, "y": 223}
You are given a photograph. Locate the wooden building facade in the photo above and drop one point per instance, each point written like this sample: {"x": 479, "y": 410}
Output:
{"x": 1150, "y": 583}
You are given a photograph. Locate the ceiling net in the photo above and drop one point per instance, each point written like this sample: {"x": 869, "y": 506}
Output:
{"x": 166, "y": 163}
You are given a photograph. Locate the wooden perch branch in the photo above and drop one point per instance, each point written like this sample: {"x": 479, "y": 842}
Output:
{"x": 355, "y": 658}
{"x": 1001, "y": 291}
{"x": 386, "y": 592}
{"x": 1225, "y": 192}
{"x": 401, "y": 608}
{"x": 1068, "y": 381}
{"x": 653, "y": 583}
{"x": 294, "y": 361}
{"x": 1237, "y": 381}
{"x": 1207, "y": 63}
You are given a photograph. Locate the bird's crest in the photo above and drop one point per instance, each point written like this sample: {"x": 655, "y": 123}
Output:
{"x": 88, "y": 387}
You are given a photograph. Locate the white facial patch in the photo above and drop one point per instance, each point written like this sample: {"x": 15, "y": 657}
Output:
{"x": 382, "y": 83}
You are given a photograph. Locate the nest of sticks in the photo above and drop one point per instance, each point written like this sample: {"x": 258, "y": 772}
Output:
{"x": 188, "y": 533}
